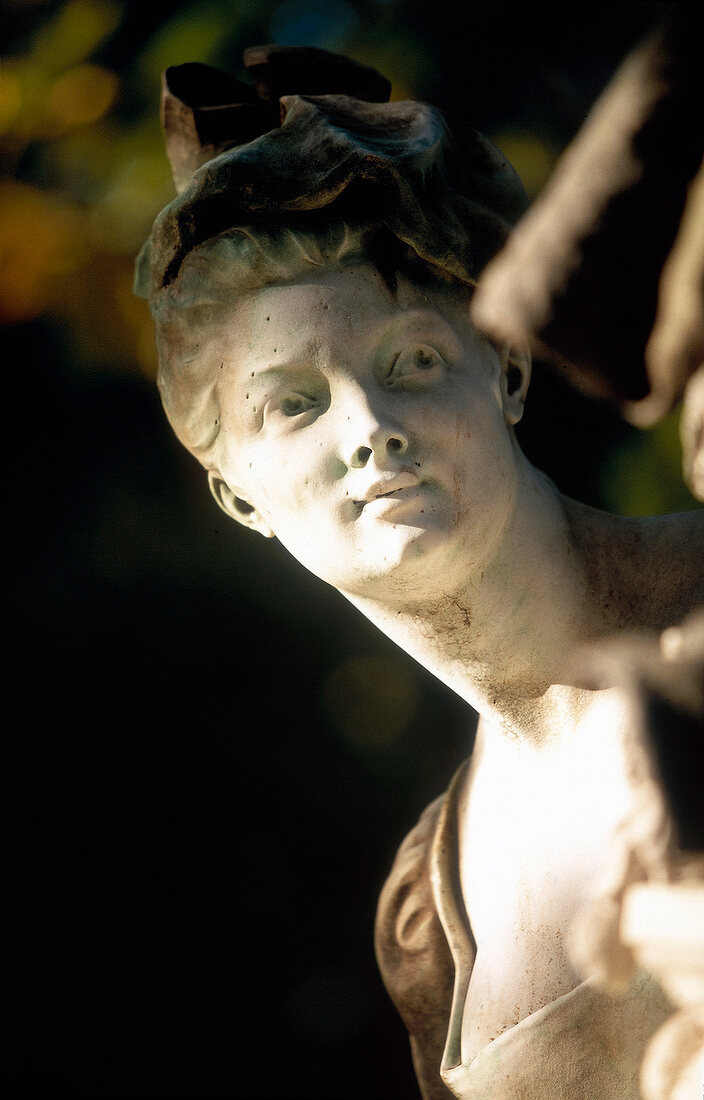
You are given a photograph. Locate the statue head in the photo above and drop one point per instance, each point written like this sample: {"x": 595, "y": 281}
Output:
{"x": 310, "y": 290}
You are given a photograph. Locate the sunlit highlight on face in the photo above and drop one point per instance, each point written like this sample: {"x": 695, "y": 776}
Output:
{"x": 365, "y": 427}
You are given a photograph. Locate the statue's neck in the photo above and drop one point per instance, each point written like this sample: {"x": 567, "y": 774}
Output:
{"x": 499, "y": 636}
{"x": 563, "y": 575}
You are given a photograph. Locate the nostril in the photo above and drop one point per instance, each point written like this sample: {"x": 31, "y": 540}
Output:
{"x": 395, "y": 444}
{"x": 361, "y": 456}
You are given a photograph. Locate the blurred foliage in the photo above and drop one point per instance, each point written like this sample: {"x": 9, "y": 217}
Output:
{"x": 84, "y": 171}
{"x": 640, "y": 476}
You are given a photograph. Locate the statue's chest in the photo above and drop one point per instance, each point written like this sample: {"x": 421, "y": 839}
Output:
{"x": 537, "y": 831}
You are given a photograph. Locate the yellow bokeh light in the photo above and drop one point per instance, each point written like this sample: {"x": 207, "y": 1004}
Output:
{"x": 122, "y": 219}
{"x": 22, "y": 99}
{"x": 370, "y": 700}
{"x": 138, "y": 323}
{"x": 10, "y": 97}
{"x": 73, "y": 33}
{"x": 41, "y": 240}
{"x": 400, "y": 92}
{"x": 531, "y": 156}
{"x": 81, "y": 95}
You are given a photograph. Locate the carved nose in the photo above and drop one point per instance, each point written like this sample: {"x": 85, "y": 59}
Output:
{"x": 392, "y": 444}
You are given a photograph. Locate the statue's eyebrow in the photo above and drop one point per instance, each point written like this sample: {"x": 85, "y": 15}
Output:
{"x": 412, "y": 320}
{"x": 419, "y": 315}
{"x": 297, "y": 361}
{"x": 285, "y": 368}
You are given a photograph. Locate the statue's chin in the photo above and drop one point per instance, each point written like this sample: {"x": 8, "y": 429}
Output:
{"x": 406, "y": 566}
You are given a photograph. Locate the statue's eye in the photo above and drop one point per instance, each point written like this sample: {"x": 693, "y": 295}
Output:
{"x": 296, "y": 403}
{"x": 425, "y": 358}
{"x": 414, "y": 362}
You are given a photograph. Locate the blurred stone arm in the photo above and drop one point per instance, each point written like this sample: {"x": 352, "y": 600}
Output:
{"x": 651, "y": 913}
{"x": 675, "y": 350}
{"x": 604, "y": 276}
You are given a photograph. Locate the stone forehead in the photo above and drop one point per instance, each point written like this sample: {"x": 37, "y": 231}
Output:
{"x": 326, "y": 301}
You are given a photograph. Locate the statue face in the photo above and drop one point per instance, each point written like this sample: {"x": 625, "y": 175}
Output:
{"x": 366, "y": 430}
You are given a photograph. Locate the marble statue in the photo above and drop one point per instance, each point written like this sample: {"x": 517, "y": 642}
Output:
{"x": 311, "y": 288}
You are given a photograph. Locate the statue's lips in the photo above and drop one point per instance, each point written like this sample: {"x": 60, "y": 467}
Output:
{"x": 388, "y": 494}
{"x": 391, "y": 486}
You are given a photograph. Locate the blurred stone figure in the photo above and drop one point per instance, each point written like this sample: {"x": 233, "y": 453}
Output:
{"x": 311, "y": 287}
{"x": 604, "y": 276}
{"x": 627, "y": 199}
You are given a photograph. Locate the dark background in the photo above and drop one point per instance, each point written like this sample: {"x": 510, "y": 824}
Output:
{"x": 208, "y": 776}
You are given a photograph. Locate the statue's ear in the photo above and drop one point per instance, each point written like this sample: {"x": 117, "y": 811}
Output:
{"x": 237, "y": 506}
{"x": 515, "y": 379}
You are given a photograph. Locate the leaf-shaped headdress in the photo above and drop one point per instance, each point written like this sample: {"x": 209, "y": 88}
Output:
{"x": 315, "y": 132}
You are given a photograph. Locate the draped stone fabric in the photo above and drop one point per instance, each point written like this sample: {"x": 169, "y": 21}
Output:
{"x": 413, "y": 954}
{"x": 438, "y": 186}
{"x": 586, "y": 1043}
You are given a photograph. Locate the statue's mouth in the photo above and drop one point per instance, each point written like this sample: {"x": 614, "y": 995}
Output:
{"x": 393, "y": 485}
{"x": 392, "y": 493}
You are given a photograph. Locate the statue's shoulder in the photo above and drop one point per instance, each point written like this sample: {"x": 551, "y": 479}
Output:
{"x": 412, "y": 950}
